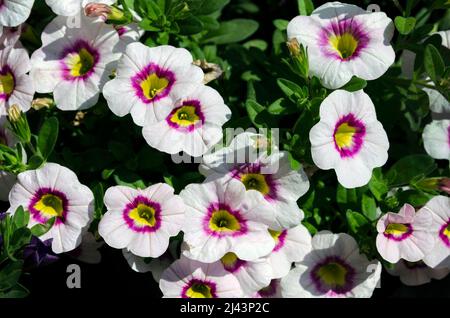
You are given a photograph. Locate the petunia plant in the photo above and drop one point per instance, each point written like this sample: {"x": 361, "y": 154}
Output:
{"x": 226, "y": 148}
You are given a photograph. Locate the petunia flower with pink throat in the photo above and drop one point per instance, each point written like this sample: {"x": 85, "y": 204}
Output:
{"x": 439, "y": 256}
{"x": 149, "y": 81}
{"x": 223, "y": 218}
{"x": 344, "y": 40}
{"x": 54, "y": 191}
{"x": 349, "y": 138}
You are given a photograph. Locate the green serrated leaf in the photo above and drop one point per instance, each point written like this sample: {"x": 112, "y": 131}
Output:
{"x": 40, "y": 229}
{"x": 405, "y": 25}
{"x": 48, "y": 136}
{"x": 232, "y": 31}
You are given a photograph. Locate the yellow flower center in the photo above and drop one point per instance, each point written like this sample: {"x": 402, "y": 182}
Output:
{"x": 143, "y": 215}
{"x": 333, "y": 274}
{"x": 7, "y": 83}
{"x": 199, "y": 290}
{"x": 275, "y": 235}
{"x": 153, "y": 85}
{"x": 345, "y": 45}
{"x": 50, "y": 205}
{"x": 223, "y": 221}
{"x": 396, "y": 229}
{"x": 229, "y": 259}
{"x": 255, "y": 181}
{"x": 80, "y": 63}
{"x": 344, "y": 135}
{"x": 185, "y": 116}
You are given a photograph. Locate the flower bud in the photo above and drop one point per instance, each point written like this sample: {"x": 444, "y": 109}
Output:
{"x": 108, "y": 13}
{"x": 40, "y": 103}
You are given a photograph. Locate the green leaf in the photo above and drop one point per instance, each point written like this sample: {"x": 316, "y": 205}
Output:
{"x": 21, "y": 218}
{"x": 40, "y": 229}
{"x": 10, "y": 274}
{"x": 35, "y": 162}
{"x": 281, "y": 24}
{"x": 232, "y": 31}
{"x": 47, "y": 137}
{"x": 191, "y": 25}
{"x": 206, "y": 7}
{"x": 369, "y": 207}
{"x": 378, "y": 185}
{"x": 355, "y": 84}
{"x": 276, "y": 107}
{"x": 19, "y": 239}
{"x": 259, "y": 44}
{"x": 346, "y": 196}
{"x": 305, "y": 7}
{"x": 405, "y": 25}
{"x": 98, "y": 197}
{"x": 433, "y": 62}
{"x": 408, "y": 168}
{"x": 18, "y": 291}
{"x": 413, "y": 197}
{"x": 355, "y": 221}
{"x": 253, "y": 109}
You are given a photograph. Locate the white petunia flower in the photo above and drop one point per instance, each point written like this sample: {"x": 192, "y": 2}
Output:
{"x": 7, "y": 179}
{"x": 128, "y": 34}
{"x": 344, "y": 40}
{"x": 349, "y": 138}
{"x": 88, "y": 251}
{"x": 273, "y": 290}
{"x": 148, "y": 82}
{"x": 223, "y": 218}
{"x": 141, "y": 220}
{"x": 439, "y": 256}
{"x": 10, "y": 37}
{"x": 291, "y": 246}
{"x": 252, "y": 275}
{"x": 74, "y": 63}
{"x": 71, "y": 8}
{"x": 14, "y": 12}
{"x": 186, "y": 278}
{"x": 436, "y": 139}
{"x": 271, "y": 175}
{"x": 16, "y": 87}
{"x": 334, "y": 268}
{"x": 418, "y": 273}
{"x": 194, "y": 125}
{"x": 145, "y": 264}
{"x": 438, "y": 103}
{"x": 404, "y": 235}
{"x": 54, "y": 191}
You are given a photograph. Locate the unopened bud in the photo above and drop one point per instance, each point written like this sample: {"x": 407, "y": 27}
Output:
{"x": 293, "y": 46}
{"x": 212, "y": 71}
{"x": 40, "y": 103}
{"x": 19, "y": 124}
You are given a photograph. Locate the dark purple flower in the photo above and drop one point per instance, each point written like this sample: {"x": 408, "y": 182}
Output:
{"x": 39, "y": 253}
